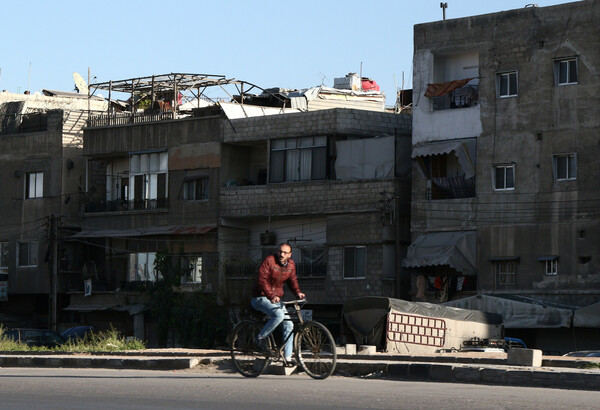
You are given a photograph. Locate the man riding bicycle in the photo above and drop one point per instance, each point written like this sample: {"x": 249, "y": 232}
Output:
{"x": 268, "y": 291}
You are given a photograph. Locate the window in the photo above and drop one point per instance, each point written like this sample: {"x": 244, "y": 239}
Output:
{"x": 196, "y": 189}
{"x": 195, "y": 267}
{"x": 3, "y": 258}
{"x": 34, "y": 185}
{"x": 311, "y": 262}
{"x": 505, "y": 273}
{"x": 564, "y": 166}
{"x": 550, "y": 264}
{"x": 298, "y": 159}
{"x": 199, "y": 269}
{"x": 565, "y": 71}
{"x": 148, "y": 179}
{"x": 355, "y": 262}
{"x": 141, "y": 267}
{"x": 503, "y": 177}
{"x": 27, "y": 254}
{"x": 506, "y": 84}
{"x": 551, "y": 267}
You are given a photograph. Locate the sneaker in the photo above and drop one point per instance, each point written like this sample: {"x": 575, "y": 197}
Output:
{"x": 290, "y": 362}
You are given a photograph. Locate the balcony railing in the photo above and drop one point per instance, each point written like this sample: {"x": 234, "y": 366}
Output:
{"x": 451, "y": 188}
{"x": 303, "y": 270}
{"x": 105, "y": 120}
{"x": 118, "y": 205}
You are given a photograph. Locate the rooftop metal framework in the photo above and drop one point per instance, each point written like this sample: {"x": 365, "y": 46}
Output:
{"x": 189, "y": 86}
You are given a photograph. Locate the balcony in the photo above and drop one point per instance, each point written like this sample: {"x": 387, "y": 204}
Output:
{"x": 310, "y": 197}
{"x": 311, "y": 278}
{"x": 451, "y": 188}
{"x": 462, "y": 97}
{"x": 119, "y": 205}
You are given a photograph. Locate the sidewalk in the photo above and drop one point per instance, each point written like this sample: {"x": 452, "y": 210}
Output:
{"x": 487, "y": 368}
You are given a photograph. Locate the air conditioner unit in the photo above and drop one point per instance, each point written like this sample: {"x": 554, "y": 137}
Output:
{"x": 267, "y": 238}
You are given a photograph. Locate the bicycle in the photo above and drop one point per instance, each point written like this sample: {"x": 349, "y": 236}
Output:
{"x": 314, "y": 347}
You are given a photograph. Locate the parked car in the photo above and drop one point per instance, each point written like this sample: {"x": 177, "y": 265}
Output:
{"x": 35, "y": 337}
{"x": 77, "y": 332}
{"x": 584, "y": 353}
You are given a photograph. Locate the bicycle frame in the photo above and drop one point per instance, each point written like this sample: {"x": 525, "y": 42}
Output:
{"x": 297, "y": 310}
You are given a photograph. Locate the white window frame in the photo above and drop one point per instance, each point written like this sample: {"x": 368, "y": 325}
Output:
{"x": 505, "y": 272}
{"x": 506, "y": 76}
{"x": 32, "y": 254}
{"x": 149, "y": 165}
{"x": 4, "y": 257}
{"x": 505, "y": 167}
{"x": 195, "y": 270}
{"x": 551, "y": 266}
{"x": 34, "y": 185}
{"x": 358, "y": 269}
{"x": 565, "y": 65}
{"x": 570, "y": 163}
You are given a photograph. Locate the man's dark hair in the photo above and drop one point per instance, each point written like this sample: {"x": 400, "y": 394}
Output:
{"x": 283, "y": 244}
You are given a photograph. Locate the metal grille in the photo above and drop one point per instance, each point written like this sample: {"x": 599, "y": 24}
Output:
{"x": 416, "y": 330}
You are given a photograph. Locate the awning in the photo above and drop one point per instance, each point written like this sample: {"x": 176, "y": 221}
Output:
{"x": 75, "y": 307}
{"x": 547, "y": 258}
{"x": 463, "y": 149}
{"x": 150, "y": 231}
{"x": 588, "y": 316}
{"x": 131, "y": 309}
{"x": 519, "y": 312}
{"x": 439, "y": 89}
{"x": 455, "y": 249}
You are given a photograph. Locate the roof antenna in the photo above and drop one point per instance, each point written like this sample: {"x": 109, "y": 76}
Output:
{"x": 444, "y": 6}
{"x": 28, "y": 79}
{"x": 323, "y": 78}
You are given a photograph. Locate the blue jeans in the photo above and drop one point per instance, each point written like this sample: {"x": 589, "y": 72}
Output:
{"x": 276, "y": 312}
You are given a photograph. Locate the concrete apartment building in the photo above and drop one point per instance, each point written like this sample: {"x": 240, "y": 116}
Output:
{"x": 219, "y": 186}
{"x": 41, "y": 141}
{"x": 336, "y": 188}
{"x": 505, "y": 187}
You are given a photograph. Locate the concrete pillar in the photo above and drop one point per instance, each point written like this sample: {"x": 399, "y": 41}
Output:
{"x": 138, "y": 326}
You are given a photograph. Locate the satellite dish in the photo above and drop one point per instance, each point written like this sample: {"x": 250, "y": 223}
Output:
{"x": 80, "y": 83}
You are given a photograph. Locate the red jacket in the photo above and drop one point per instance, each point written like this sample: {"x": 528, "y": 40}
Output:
{"x": 271, "y": 276}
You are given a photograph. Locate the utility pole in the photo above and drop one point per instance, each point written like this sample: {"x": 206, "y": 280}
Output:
{"x": 444, "y": 6}
{"x": 53, "y": 248}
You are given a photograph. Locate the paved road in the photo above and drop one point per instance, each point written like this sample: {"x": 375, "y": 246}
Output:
{"x": 201, "y": 388}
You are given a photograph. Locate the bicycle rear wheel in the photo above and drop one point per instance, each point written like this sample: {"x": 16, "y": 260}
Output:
{"x": 248, "y": 358}
{"x": 316, "y": 352}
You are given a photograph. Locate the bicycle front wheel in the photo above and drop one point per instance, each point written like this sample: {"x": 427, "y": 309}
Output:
{"x": 248, "y": 358}
{"x": 316, "y": 350}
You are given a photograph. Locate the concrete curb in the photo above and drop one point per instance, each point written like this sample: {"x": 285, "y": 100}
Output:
{"x": 469, "y": 370}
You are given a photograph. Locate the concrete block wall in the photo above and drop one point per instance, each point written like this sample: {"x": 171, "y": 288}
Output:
{"x": 320, "y": 197}
{"x": 334, "y": 121}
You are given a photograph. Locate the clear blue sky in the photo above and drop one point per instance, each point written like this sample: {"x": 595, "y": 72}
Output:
{"x": 271, "y": 43}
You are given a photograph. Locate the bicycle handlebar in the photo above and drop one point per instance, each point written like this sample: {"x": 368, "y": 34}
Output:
{"x": 295, "y": 302}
